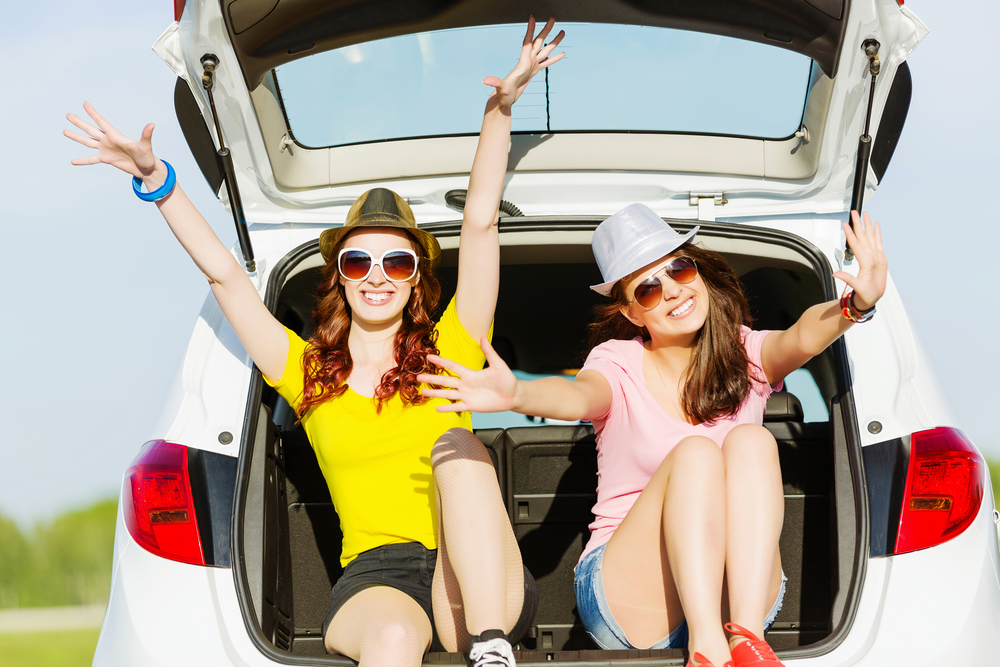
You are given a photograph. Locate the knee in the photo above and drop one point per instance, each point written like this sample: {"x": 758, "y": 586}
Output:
{"x": 750, "y": 443}
{"x": 458, "y": 444}
{"x": 396, "y": 638}
{"x": 696, "y": 454}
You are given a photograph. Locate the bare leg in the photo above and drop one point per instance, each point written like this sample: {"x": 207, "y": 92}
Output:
{"x": 479, "y": 578}
{"x": 380, "y": 627}
{"x": 665, "y": 561}
{"x": 755, "y": 510}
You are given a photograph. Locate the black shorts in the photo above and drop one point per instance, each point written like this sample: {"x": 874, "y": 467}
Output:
{"x": 409, "y": 567}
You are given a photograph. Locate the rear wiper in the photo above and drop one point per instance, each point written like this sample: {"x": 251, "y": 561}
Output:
{"x": 870, "y": 47}
{"x": 210, "y": 61}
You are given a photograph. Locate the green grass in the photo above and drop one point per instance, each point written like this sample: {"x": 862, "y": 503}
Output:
{"x": 71, "y": 648}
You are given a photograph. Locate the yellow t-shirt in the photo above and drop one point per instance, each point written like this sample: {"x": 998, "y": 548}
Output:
{"x": 378, "y": 466}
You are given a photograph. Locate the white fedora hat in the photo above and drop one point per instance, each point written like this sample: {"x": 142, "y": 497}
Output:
{"x": 629, "y": 240}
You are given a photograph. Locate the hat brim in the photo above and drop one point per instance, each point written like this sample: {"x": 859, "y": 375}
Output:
{"x": 650, "y": 254}
{"x": 329, "y": 238}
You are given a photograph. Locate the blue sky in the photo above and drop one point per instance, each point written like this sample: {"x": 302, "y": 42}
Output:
{"x": 102, "y": 299}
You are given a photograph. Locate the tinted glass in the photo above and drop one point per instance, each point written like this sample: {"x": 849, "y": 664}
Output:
{"x": 398, "y": 265}
{"x": 648, "y": 293}
{"x": 614, "y": 77}
{"x": 355, "y": 264}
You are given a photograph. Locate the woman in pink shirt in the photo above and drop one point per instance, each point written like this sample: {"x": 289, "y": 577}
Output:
{"x": 689, "y": 484}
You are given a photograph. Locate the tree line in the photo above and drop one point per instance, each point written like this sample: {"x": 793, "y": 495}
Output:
{"x": 66, "y": 561}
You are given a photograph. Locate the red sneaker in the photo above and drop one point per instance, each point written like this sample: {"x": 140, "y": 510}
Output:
{"x": 754, "y": 652}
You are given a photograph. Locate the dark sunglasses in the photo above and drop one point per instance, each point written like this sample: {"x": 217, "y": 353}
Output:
{"x": 648, "y": 293}
{"x": 398, "y": 265}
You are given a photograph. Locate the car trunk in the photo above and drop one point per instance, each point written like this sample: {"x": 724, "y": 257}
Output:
{"x": 288, "y": 536}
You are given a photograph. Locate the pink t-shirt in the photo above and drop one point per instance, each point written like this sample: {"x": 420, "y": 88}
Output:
{"x": 635, "y": 434}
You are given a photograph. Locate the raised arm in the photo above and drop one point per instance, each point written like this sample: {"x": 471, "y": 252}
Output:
{"x": 495, "y": 389}
{"x": 261, "y": 334}
{"x": 784, "y": 351}
{"x": 479, "y": 246}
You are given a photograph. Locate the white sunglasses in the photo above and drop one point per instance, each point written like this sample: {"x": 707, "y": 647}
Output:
{"x": 397, "y": 265}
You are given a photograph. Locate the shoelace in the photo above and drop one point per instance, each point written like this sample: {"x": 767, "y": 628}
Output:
{"x": 753, "y": 644}
{"x": 494, "y": 652}
{"x": 761, "y": 648}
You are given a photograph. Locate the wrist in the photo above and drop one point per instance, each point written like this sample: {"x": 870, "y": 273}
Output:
{"x": 851, "y": 311}
{"x": 517, "y": 400}
{"x": 493, "y": 104}
{"x": 860, "y": 304}
{"x": 156, "y": 190}
{"x": 156, "y": 176}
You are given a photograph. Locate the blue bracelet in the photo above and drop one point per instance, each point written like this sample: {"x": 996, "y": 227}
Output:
{"x": 160, "y": 192}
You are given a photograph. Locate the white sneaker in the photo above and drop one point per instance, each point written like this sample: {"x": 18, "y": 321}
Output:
{"x": 493, "y": 652}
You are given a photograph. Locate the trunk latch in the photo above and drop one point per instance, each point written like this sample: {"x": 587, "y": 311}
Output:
{"x": 706, "y": 203}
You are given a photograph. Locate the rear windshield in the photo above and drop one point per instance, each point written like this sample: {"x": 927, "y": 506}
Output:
{"x": 614, "y": 78}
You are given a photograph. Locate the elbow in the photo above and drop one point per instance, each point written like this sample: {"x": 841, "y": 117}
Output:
{"x": 226, "y": 274}
{"x": 815, "y": 347}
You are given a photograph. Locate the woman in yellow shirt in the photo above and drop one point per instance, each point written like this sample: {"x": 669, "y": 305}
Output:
{"x": 424, "y": 524}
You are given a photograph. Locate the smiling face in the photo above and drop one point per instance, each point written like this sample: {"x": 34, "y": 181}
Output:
{"x": 376, "y": 299}
{"x": 681, "y": 311}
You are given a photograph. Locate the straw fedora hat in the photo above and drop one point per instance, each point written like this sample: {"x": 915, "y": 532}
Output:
{"x": 380, "y": 207}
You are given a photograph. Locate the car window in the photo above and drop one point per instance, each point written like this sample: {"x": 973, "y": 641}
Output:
{"x": 614, "y": 78}
{"x": 799, "y": 382}
{"x": 802, "y": 385}
{"x": 513, "y": 419}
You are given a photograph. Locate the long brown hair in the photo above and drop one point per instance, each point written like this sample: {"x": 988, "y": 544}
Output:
{"x": 327, "y": 361}
{"x": 718, "y": 378}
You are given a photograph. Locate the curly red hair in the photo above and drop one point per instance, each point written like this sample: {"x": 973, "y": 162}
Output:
{"x": 327, "y": 361}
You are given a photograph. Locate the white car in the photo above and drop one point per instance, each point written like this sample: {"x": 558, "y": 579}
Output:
{"x": 743, "y": 117}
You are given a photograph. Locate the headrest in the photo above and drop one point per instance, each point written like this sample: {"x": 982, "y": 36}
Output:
{"x": 783, "y": 407}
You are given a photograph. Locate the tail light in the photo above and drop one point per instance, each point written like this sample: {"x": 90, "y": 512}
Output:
{"x": 944, "y": 489}
{"x": 158, "y": 505}
{"x": 179, "y": 9}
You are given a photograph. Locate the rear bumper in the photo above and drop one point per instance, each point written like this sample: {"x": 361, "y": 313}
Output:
{"x": 937, "y": 606}
{"x": 942, "y": 605}
{"x": 161, "y": 612}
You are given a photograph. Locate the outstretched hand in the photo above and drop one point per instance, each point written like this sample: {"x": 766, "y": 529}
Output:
{"x": 866, "y": 244}
{"x": 534, "y": 58}
{"x": 489, "y": 390}
{"x": 113, "y": 147}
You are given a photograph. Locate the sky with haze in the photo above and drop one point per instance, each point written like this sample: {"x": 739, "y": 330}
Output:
{"x": 102, "y": 300}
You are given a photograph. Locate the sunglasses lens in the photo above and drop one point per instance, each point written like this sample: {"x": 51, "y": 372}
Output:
{"x": 399, "y": 265}
{"x": 682, "y": 270}
{"x": 355, "y": 264}
{"x": 648, "y": 293}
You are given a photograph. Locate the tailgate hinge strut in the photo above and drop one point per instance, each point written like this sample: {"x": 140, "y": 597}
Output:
{"x": 210, "y": 61}
{"x": 870, "y": 47}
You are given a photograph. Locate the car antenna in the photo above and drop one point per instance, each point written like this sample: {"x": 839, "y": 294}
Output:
{"x": 210, "y": 61}
{"x": 870, "y": 47}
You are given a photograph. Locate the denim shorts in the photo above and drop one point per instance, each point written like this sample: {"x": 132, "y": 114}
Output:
{"x": 409, "y": 567}
{"x": 602, "y": 627}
